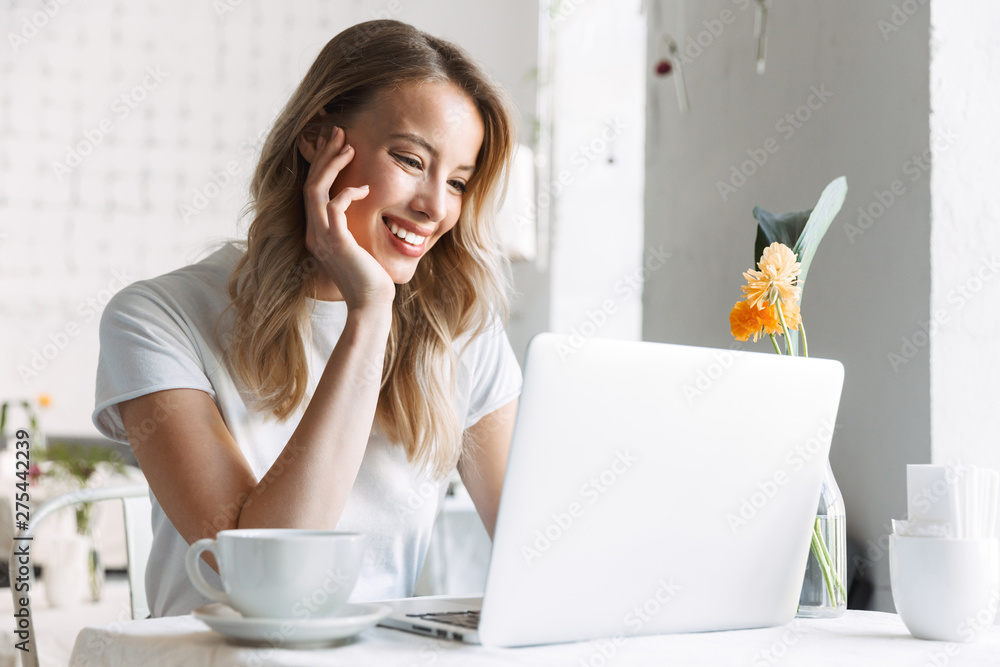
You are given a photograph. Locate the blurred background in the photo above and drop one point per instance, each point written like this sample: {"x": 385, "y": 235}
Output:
{"x": 128, "y": 133}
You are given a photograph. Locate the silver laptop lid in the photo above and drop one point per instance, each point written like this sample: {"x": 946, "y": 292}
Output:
{"x": 656, "y": 488}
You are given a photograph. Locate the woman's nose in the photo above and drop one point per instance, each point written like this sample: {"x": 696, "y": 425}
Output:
{"x": 431, "y": 199}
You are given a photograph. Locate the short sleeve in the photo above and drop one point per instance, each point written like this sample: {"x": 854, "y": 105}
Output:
{"x": 495, "y": 375}
{"x": 146, "y": 346}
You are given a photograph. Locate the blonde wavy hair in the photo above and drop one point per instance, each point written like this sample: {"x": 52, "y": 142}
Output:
{"x": 461, "y": 286}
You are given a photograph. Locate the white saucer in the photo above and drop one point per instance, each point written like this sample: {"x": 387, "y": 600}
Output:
{"x": 291, "y": 632}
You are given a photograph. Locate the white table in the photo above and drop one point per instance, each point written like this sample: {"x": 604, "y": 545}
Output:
{"x": 859, "y": 638}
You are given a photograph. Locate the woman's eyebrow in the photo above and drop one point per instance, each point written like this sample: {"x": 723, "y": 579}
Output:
{"x": 420, "y": 141}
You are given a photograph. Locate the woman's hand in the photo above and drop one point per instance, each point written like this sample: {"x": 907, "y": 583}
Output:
{"x": 360, "y": 278}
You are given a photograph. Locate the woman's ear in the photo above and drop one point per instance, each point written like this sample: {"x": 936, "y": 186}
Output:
{"x": 307, "y": 146}
{"x": 307, "y": 139}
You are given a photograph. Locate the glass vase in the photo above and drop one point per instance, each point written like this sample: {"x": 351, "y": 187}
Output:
{"x": 95, "y": 569}
{"x": 85, "y": 520}
{"x": 824, "y": 588}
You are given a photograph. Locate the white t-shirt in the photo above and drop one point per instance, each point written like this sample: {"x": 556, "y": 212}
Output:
{"x": 159, "y": 334}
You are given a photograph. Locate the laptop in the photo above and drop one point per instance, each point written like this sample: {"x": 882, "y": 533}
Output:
{"x": 650, "y": 488}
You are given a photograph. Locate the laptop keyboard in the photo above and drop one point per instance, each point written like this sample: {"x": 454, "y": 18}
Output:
{"x": 465, "y": 619}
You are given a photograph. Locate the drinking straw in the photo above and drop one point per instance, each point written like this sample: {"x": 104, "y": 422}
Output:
{"x": 971, "y": 501}
{"x": 992, "y": 499}
{"x": 955, "y": 496}
{"x": 973, "y": 507}
{"x": 983, "y": 500}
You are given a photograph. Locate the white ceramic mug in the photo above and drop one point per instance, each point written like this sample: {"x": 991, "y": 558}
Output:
{"x": 280, "y": 572}
{"x": 945, "y": 589}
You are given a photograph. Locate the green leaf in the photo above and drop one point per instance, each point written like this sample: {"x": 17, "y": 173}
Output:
{"x": 801, "y": 231}
{"x": 785, "y": 229}
{"x": 78, "y": 462}
{"x": 822, "y": 216}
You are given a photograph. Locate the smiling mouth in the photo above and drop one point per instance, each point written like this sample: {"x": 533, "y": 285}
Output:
{"x": 408, "y": 237}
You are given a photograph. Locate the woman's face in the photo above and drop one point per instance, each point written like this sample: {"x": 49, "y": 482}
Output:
{"x": 416, "y": 149}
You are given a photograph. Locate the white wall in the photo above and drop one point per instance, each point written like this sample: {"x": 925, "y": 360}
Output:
{"x": 867, "y": 290}
{"x": 588, "y": 278}
{"x": 965, "y": 235}
{"x": 66, "y": 245}
{"x": 598, "y": 146}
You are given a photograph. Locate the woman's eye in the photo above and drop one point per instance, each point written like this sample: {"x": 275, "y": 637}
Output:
{"x": 408, "y": 161}
{"x": 416, "y": 164}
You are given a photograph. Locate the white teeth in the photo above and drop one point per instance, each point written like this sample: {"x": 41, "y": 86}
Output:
{"x": 409, "y": 237}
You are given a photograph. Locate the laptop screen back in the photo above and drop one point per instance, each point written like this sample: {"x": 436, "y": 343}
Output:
{"x": 656, "y": 488}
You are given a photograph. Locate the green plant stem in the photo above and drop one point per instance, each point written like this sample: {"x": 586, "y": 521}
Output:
{"x": 784, "y": 327}
{"x": 834, "y": 587}
{"x": 83, "y": 514}
{"x": 805, "y": 341}
{"x": 817, "y": 549}
{"x": 774, "y": 342}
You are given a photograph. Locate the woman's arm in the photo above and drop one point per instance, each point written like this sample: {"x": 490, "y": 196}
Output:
{"x": 194, "y": 466}
{"x": 484, "y": 461}
{"x": 204, "y": 483}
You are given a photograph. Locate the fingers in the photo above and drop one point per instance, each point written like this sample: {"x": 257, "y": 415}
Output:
{"x": 346, "y": 196}
{"x": 330, "y": 223}
{"x": 329, "y": 158}
{"x": 327, "y": 235}
{"x": 326, "y": 219}
{"x": 337, "y": 207}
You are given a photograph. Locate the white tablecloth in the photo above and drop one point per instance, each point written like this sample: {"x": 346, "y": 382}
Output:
{"x": 857, "y": 639}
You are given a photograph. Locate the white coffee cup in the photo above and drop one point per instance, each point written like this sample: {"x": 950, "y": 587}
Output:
{"x": 945, "y": 589}
{"x": 280, "y": 572}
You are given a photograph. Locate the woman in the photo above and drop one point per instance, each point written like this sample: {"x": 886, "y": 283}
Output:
{"x": 336, "y": 370}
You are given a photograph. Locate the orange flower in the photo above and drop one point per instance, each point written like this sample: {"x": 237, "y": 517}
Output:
{"x": 793, "y": 317}
{"x": 44, "y": 400}
{"x": 742, "y": 322}
{"x": 775, "y": 281}
{"x": 769, "y": 319}
{"x": 772, "y": 324}
{"x": 746, "y": 321}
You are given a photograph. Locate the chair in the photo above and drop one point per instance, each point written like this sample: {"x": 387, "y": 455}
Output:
{"x": 138, "y": 543}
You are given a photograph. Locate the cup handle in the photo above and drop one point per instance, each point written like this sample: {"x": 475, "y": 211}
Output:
{"x": 191, "y": 562}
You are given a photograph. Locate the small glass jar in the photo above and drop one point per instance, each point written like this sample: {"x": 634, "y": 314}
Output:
{"x": 824, "y": 588}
